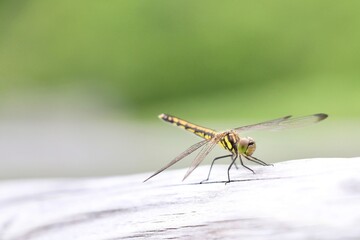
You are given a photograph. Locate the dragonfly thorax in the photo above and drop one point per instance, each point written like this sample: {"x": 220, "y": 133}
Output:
{"x": 230, "y": 142}
{"x": 247, "y": 146}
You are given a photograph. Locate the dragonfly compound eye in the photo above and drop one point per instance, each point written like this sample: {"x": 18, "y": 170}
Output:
{"x": 243, "y": 145}
{"x": 251, "y": 147}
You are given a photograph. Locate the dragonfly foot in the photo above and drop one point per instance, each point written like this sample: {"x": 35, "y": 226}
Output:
{"x": 204, "y": 181}
{"x": 250, "y": 169}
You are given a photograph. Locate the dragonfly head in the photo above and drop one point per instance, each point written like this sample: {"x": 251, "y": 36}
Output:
{"x": 247, "y": 146}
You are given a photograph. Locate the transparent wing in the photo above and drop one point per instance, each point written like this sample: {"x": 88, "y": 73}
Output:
{"x": 284, "y": 123}
{"x": 181, "y": 156}
{"x": 203, "y": 153}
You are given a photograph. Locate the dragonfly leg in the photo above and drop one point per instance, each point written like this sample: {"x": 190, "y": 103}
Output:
{"x": 228, "y": 172}
{"x": 258, "y": 161}
{"x": 212, "y": 163}
{"x": 236, "y": 166}
{"x": 266, "y": 164}
{"x": 242, "y": 164}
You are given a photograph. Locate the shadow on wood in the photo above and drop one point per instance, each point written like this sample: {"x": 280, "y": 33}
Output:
{"x": 300, "y": 199}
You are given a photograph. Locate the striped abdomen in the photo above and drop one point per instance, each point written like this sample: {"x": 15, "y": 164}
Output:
{"x": 205, "y": 133}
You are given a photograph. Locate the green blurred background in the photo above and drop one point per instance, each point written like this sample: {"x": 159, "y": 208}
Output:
{"x": 81, "y": 82}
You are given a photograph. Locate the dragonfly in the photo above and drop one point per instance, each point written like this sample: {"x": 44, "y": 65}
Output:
{"x": 231, "y": 140}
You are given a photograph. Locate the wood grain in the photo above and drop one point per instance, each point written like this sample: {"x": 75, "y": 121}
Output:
{"x": 300, "y": 199}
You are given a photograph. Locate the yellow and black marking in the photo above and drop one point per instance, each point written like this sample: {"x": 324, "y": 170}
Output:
{"x": 202, "y": 132}
{"x": 228, "y": 142}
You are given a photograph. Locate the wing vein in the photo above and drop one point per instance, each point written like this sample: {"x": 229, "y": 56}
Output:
{"x": 179, "y": 157}
{"x": 203, "y": 153}
{"x": 284, "y": 123}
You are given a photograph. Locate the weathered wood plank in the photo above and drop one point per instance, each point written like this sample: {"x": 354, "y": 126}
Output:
{"x": 302, "y": 199}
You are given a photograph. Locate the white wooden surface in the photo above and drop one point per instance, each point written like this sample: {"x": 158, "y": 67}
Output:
{"x": 300, "y": 199}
